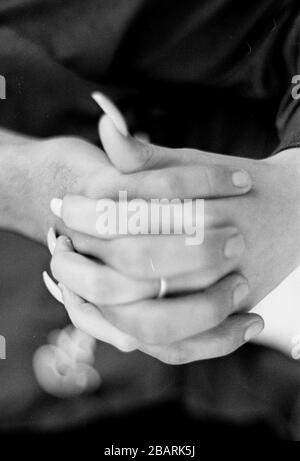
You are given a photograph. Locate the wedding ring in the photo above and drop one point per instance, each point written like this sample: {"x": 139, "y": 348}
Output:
{"x": 163, "y": 288}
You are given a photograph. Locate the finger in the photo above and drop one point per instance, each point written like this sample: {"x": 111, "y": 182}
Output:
{"x": 192, "y": 179}
{"x": 164, "y": 321}
{"x": 95, "y": 282}
{"x": 89, "y": 319}
{"x": 110, "y": 108}
{"x": 52, "y": 287}
{"x": 169, "y": 256}
{"x": 106, "y": 218}
{"x": 134, "y": 159}
{"x": 136, "y": 156}
{"x": 218, "y": 342}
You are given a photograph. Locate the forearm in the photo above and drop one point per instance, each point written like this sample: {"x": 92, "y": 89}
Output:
{"x": 19, "y": 170}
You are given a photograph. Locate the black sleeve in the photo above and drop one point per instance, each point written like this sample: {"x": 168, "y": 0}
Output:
{"x": 249, "y": 48}
{"x": 288, "y": 117}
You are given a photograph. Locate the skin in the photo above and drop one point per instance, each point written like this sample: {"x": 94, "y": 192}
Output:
{"x": 33, "y": 171}
{"x": 154, "y": 323}
{"x": 73, "y": 166}
{"x": 203, "y": 316}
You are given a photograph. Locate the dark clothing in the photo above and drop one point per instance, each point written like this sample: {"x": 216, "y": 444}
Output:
{"x": 210, "y": 74}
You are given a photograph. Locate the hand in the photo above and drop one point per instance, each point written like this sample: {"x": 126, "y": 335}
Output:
{"x": 33, "y": 171}
{"x": 267, "y": 217}
{"x": 176, "y": 331}
{"x": 104, "y": 285}
{"x": 260, "y": 208}
{"x": 170, "y": 173}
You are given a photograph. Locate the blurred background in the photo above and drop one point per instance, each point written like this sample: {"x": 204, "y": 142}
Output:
{"x": 52, "y": 386}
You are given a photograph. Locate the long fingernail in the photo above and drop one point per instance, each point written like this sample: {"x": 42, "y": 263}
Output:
{"x": 235, "y": 246}
{"x": 255, "y": 329}
{"x": 241, "y": 292}
{"x": 52, "y": 287}
{"x": 56, "y": 206}
{"x": 112, "y": 111}
{"x": 241, "y": 178}
{"x": 51, "y": 240}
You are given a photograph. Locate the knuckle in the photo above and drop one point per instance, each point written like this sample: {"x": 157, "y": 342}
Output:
{"x": 209, "y": 180}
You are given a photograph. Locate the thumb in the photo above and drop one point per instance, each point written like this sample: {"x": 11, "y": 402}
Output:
{"x": 127, "y": 154}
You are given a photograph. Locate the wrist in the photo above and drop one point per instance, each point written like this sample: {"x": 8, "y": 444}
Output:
{"x": 21, "y": 189}
{"x": 286, "y": 167}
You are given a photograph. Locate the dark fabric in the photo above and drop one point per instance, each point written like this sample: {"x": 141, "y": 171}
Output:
{"x": 208, "y": 74}
{"x": 53, "y": 53}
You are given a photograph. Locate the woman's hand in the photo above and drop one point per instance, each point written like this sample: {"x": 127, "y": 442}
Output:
{"x": 175, "y": 330}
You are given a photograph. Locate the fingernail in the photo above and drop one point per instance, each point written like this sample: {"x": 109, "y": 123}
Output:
{"x": 52, "y": 287}
{"x": 253, "y": 330}
{"x": 51, "y": 240}
{"x": 235, "y": 246}
{"x": 56, "y": 206}
{"x": 241, "y": 178}
{"x": 65, "y": 243}
{"x": 240, "y": 293}
{"x": 112, "y": 111}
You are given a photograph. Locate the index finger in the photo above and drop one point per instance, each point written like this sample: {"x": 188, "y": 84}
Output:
{"x": 182, "y": 182}
{"x": 107, "y": 218}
